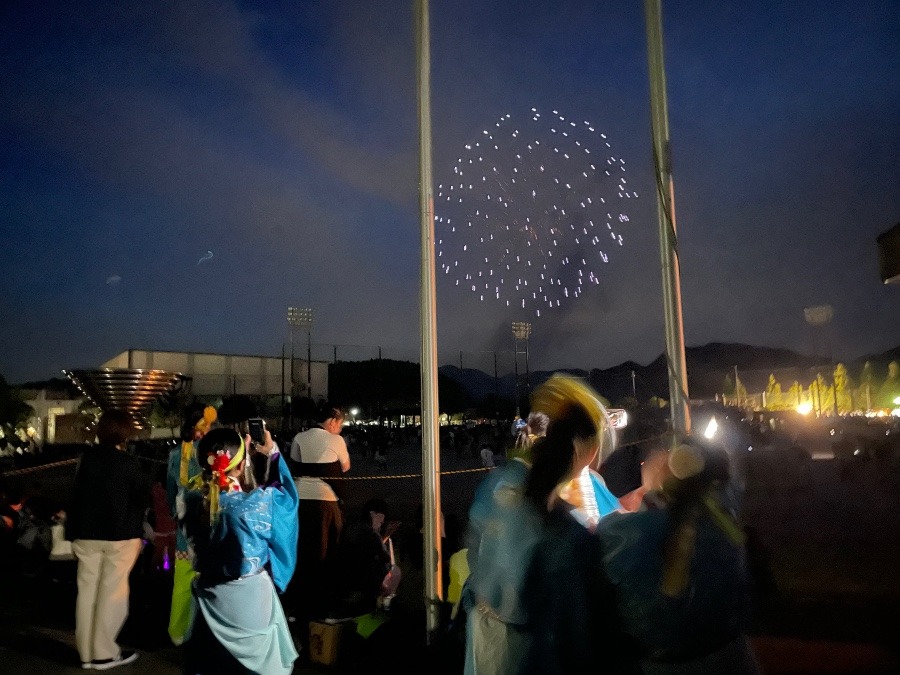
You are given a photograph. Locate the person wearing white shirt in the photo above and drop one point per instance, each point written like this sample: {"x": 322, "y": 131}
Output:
{"x": 317, "y": 455}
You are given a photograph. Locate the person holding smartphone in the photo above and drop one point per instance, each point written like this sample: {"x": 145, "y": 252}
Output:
{"x": 245, "y": 543}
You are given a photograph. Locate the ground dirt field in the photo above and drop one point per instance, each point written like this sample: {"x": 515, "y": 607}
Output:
{"x": 826, "y": 544}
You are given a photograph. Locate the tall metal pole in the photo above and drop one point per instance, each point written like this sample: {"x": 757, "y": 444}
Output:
{"x": 521, "y": 331}
{"x": 300, "y": 318}
{"x": 665, "y": 202}
{"x": 496, "y": 379}
{"x": 527, "y": 372}
{"x": 291, "y": 398}
{"x": 309, "y": 363}
{"x": 431, "y": 484}
{"x": 380, "y": 387}
{"x": 516, "y": 371}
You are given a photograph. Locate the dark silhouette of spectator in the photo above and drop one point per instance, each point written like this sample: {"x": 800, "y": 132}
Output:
{"x": 680, "y": 572}
{"x": 105, "y": 522}
{"x": 534, "y": 596}
{"x": 11, "y": 502}
{"x": 363, "y": 560}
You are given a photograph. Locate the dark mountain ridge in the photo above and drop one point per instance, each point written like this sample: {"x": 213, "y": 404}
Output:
{"x": 708, "y": 366}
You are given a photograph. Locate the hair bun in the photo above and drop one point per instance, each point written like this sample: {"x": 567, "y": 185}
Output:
{"x": 209, "y": 416}
{"x": 686, "y": 462}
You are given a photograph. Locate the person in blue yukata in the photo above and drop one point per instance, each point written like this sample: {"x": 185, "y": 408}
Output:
{"x": 245, "y": 544}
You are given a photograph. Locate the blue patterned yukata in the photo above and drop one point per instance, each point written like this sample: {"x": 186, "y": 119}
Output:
{"x": 250, "y": 552}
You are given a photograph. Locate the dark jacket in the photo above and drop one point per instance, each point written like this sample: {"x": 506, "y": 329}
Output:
{"x": 571, "y": 604}
{"x": 109, "y": 498}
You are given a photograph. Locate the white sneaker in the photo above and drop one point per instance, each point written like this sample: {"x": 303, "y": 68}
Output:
{"x": 126, "y": 656}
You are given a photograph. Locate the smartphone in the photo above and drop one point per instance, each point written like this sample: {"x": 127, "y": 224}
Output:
{"x": 257, "y": 430}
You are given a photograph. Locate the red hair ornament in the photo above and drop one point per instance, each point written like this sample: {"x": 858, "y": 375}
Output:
{"x": 220, "y": 468}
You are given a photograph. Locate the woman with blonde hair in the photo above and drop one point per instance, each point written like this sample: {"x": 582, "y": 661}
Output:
{"x": 535, "y": 598}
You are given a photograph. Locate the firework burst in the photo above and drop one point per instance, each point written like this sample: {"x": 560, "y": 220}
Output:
{"x": 531, "y": 211}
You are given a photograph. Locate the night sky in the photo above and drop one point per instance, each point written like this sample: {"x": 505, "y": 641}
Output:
{"x": 176, "y": 174}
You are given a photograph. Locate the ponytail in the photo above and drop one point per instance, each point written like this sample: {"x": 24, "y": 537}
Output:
{"x": 554, "y": 455}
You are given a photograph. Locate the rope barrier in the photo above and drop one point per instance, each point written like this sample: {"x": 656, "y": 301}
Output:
{"x": 66, "y": 462}
{"x": 40, "y": 467}
{"x": 410, "y": 475}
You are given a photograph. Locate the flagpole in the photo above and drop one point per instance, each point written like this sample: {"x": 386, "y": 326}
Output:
{"x": 431, "y": 485}
{"x": 679, "y": 400}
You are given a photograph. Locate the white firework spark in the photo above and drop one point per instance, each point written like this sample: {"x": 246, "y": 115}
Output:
{"x": 530, "y": 209}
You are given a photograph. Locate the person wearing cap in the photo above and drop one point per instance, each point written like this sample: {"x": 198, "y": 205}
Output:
{"x": 678, "y": 565}
{"x": 536, "y": 600}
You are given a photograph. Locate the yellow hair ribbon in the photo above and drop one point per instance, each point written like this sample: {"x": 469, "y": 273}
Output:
{"x": 213, "y": 501}
{"x": 187, "y": 451}
{"x": 678, "y": 556}
{"x": 238, "y": 456}
{"x": 676, "y": 571}
{"x": 725, "y": 522}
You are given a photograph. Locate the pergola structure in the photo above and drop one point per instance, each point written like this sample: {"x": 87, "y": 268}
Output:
{"x": 130, "y": 389}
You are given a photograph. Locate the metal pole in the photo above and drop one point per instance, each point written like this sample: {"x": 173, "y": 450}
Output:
{"x": 665, "y": 202}
{"x": 309, "y": 364}
{"x": 291, "y": 398}
{"x": 516, "y": 370}
{"x": 527, "y": 372}
{"x": 281, "y": 413}
{"x": 380, "y": 387}
{"x": 431, "y": 485}
{"x": 496, "y": 379}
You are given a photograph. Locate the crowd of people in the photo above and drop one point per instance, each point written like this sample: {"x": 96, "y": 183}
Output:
{"x": 552, "y": 574}
{"x": 662, "y": 588}
{"x": 233, "y": 518}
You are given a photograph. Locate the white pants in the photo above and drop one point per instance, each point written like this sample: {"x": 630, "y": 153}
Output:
{"x": 102, "y": 604}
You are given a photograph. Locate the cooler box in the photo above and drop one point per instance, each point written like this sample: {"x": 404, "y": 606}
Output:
{"x": 324, "y": 642}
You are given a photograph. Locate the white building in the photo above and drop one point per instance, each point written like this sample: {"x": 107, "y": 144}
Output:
{"x": 48, "y": 406}
{"x": 231, "y": 374}
{"x": 56, "y": 417}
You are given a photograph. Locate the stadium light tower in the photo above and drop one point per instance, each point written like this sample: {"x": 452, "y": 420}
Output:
{"x": 300, "y": 318}
{"x": 521, "y": 332}
{"x": 303, "y": 318}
